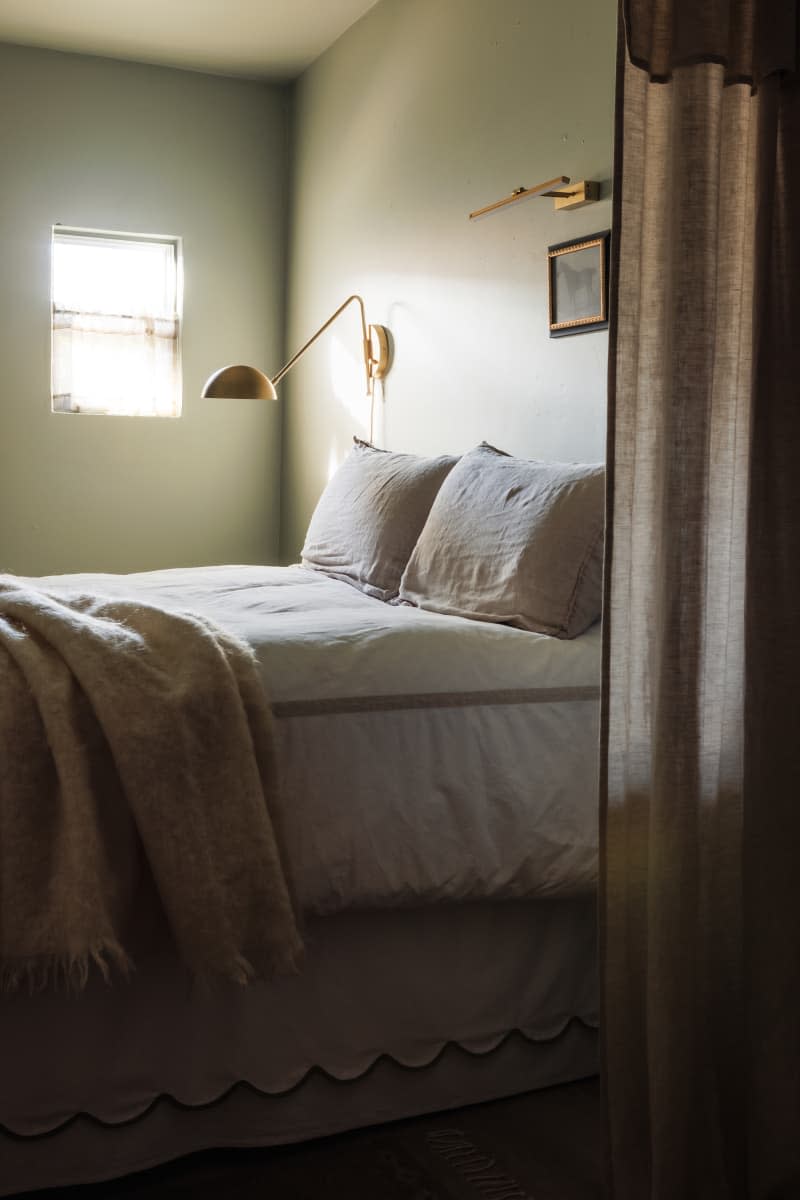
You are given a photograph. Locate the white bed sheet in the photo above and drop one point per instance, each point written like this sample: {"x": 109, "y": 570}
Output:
{"x": 423, "y": 758}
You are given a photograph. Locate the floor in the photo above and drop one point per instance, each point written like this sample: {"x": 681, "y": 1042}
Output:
{"x": 543, "y": 1145}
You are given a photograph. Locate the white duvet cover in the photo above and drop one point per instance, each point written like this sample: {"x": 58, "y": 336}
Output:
{"x": 423, "y": 758}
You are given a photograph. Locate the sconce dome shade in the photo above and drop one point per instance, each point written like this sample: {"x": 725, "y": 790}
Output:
{"x": 239, "y": 382}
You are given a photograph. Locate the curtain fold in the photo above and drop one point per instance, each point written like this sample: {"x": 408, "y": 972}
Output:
{"x": 751, "y": 39}
{"x": 772, "y": 700}
{"x": 700, "y": 898}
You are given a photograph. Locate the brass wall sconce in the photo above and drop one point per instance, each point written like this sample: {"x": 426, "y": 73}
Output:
{"x": 241, "y": 382}
{"x": 573, "y": 196}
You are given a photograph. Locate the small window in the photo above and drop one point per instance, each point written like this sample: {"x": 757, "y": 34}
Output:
{"x": 116, "y": 324}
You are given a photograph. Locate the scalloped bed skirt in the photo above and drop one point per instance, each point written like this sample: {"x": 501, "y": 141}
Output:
{"x": 395, "y": 1013}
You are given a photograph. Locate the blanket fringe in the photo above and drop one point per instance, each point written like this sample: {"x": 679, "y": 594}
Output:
{"x": 70, "y": 973}
{"x": 64, "y": 972}
{"x": 242, "y": 971}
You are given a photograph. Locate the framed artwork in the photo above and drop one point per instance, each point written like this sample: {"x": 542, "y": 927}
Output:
{"x": 577, "y": 285}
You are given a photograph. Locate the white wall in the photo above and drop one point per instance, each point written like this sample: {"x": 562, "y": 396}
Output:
{"x": 93, "y": 142}
{"x": 421, "y": 112}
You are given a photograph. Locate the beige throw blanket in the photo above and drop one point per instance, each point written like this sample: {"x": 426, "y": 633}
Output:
{"x": 128, "y": 730}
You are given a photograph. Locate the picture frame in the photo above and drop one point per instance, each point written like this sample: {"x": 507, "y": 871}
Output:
{"x": 577, "y": 285}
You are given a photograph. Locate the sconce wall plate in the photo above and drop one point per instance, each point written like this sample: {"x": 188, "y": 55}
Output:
{"x": 585, "y": 192}
{"x": 378, "y": 351}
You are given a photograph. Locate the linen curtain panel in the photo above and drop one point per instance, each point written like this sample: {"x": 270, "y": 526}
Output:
{"x": 700, "y": 783}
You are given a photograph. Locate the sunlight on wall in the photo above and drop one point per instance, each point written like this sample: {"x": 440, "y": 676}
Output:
{"x": 334, "y": 462}
{"x": 348, "y": 382}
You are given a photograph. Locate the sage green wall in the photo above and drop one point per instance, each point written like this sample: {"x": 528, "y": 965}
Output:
{"x": 111, "y": 145}
{"x": 421, "y": 112}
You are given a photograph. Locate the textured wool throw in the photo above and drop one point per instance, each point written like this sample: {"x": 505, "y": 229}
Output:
{"x": 129, "y": 733}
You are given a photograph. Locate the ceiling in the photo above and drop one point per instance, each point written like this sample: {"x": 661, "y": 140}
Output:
{"x": 258, "y": 39}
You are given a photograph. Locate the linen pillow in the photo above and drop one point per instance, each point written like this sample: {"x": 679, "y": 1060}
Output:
{"x": 515, "y": 542}
{"x": 370, "y": 515}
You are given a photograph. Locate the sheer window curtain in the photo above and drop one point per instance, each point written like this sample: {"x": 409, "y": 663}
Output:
{"x": 105, "y": 363}
{"x": 700, "y": 772}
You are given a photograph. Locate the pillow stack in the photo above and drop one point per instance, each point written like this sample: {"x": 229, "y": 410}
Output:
{"x": 486, "y": 536}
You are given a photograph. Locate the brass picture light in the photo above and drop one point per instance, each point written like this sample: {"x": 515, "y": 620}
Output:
{"x": 564, "y": 196}
{"x": 248, "y": 383}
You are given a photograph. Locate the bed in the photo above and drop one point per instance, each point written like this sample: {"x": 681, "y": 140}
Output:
{"x": 438, "y": 793}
